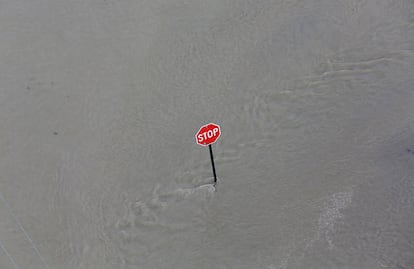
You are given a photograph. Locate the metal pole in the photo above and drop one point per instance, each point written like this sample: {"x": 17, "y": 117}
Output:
{"x": 212, "y": 164}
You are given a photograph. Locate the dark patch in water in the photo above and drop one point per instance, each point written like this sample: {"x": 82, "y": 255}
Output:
{"x": 410, "y": 151}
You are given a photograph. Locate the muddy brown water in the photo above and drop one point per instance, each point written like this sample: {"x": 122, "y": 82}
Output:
{"x": 100, "y": 102}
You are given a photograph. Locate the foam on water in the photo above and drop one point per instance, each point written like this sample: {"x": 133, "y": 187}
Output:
{"x": 332, "y": 214}
{"x": 206, "y": 189}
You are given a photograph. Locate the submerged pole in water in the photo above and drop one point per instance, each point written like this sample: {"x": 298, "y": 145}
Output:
{"x": 212, "y": 164}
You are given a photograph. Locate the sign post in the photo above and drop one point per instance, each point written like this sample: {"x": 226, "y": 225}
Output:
{"x": 207, "y": 135}
{"x": 212, "y": 164}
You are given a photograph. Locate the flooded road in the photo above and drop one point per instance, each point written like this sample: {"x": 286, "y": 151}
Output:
{"x": 100, "y": 101}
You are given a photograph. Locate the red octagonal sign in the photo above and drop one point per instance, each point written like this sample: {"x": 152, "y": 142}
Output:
{"x": 208, "y": 134}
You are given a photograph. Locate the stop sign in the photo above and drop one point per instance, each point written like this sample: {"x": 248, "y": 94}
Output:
{"x": 208, "y": 134}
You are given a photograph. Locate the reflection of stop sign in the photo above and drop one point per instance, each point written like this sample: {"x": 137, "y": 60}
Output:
{"x": 208, "y": 134}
